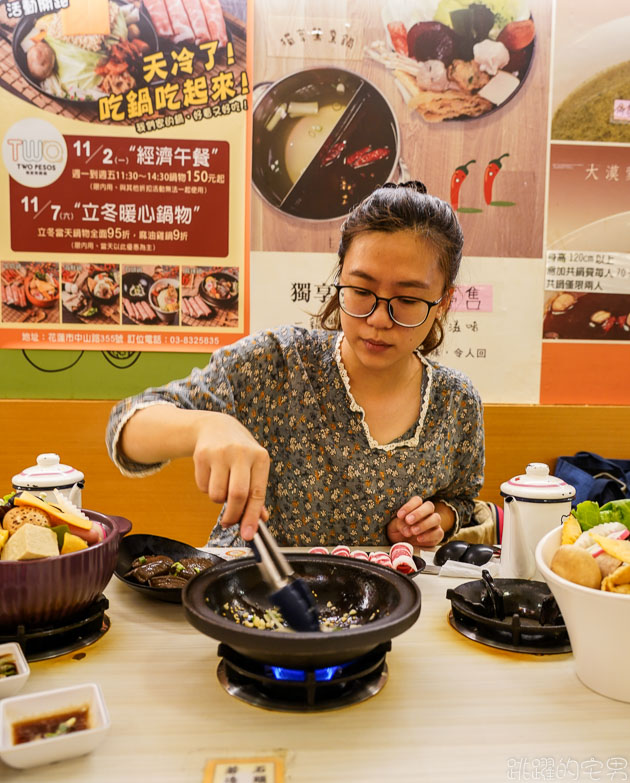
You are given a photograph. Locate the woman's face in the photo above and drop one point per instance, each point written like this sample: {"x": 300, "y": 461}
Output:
{"x": 390, "y": 264}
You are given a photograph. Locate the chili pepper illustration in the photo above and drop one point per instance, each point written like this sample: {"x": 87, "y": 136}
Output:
{"x": 459, "y": 175}
{"x": 492, "y": 169}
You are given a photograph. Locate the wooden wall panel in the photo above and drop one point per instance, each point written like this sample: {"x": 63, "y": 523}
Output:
{"x": 169, "y": 502}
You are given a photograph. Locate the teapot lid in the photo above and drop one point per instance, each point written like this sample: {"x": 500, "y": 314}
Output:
{"x": 537, "y": 484}
{"x": 47, "y": 473}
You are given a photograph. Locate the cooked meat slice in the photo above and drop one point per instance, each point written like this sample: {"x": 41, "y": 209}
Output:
{"x": 144, "y": 559}
{"x": 145, "y": 572}
{"x": 167, "y": 580}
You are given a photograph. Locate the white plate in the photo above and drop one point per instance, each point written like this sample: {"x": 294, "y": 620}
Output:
{"x": 9, "y": 686}
{"x": 45, "y": 751}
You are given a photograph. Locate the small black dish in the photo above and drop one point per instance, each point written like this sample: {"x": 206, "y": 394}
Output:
{"x": 227, "y": 301}
{"x": 144, "y": 544}
{"x": 464, "y": 552}
{"x": 130, "y": 282}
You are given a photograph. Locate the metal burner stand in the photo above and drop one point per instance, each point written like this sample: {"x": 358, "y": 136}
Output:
{"x": 73, "y": 633}
{"x": 251, "y": 681}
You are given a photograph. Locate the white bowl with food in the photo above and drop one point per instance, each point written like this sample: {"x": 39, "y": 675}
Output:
{"x": 598, "y": 624}
{"x": 40, "y": 728}
{"x": 164, "y": 298}
{"x": 14, "y": 669}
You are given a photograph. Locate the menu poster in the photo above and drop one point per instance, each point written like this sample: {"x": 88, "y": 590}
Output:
{"x": 124, "y": 131}
{"x": 586, "y": 319}
{"x": 351, "y": 95}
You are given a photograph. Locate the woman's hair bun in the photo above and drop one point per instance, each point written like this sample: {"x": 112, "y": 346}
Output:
{"x": 413, "y": 184}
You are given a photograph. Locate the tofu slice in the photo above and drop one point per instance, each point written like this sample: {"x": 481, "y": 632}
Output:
{"x": 499, "y": 88}
{"x": 31, "y": 542}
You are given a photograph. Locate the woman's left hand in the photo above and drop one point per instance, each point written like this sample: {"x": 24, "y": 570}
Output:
{"x": 418, "y": 523}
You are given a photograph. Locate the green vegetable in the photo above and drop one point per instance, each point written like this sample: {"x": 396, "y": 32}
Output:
{"x": 76, "y": 67}
{"x": 587, "y": 514}
{"x": 89, "y": 312}
{"x": 616, "y": 511}
{"x": 504, "y": 11}
{"x": 142, "y": 560}
{"x": 7, "y": 498}
{"x": 61, "y": 531}
{"x": 177, "y": 567}
{"x": 62, "y": 728}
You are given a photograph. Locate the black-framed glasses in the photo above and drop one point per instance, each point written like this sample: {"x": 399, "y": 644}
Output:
{"x": 403, "y": 310}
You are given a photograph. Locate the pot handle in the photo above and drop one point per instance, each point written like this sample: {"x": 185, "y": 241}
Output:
{"x": 122, "y": 525}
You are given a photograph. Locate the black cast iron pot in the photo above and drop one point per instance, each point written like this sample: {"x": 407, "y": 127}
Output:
{"x": 391, "y": 599}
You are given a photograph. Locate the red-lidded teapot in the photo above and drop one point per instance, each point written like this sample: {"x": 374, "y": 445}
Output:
{"x": 535, "y": 503}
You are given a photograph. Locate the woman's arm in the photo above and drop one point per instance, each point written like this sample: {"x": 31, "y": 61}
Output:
{"x": 230, "y": 465}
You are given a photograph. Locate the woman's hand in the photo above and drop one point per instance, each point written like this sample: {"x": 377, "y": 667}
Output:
{"x": 418, "y": 522}
{"x": 232, "y": 468}
{"x": 230, "y": 465}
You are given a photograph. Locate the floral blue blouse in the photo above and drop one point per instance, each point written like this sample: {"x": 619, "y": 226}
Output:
{"x": 329, "y": 481}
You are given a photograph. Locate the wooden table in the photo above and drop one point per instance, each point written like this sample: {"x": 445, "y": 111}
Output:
{"x": 452, "y": 710}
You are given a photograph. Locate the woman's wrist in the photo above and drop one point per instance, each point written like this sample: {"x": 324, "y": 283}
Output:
{"x": 447, "y": 515}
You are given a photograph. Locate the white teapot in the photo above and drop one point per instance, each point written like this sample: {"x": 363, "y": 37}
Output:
{"x": 535, "y": 503}
{"x": 49, "y": 475}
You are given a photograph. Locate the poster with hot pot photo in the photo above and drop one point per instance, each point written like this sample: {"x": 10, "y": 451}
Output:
{"x": 150, "y": 295}
{"x": 210, "y": 296}
{"x": 30, "y": 292}
{"x": 591, "y": 72}
{"x": 450, "y": 92}
{"x": 118, "y": 61}
{"x": 90, "y": 294}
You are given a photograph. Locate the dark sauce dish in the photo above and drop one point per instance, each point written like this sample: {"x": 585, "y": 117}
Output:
{"x": 139, "y": 544}
{"x": 133, "y": 283}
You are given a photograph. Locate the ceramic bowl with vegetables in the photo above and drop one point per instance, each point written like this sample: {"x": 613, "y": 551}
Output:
{"x": 40, "y": 728}
{"x": 586, "y": 564}
{"x": 164, "y": 298}
{"x": 41, "y": 289}
{"x": 53, "y": 562}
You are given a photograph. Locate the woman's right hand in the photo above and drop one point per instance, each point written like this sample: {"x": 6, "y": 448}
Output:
{"x": 232, "y": 468}
{"x": 230, "y": 465}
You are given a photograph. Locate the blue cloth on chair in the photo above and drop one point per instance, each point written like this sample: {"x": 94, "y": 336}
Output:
{"x": 594, "y": 477}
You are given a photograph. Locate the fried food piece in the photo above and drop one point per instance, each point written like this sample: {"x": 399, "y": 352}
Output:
{"x": 571, "y": 530}
{"x": 23, "y": 515}
{"x": 576, "y": 565}
{"x": 618, "y": 581}
{"x": 467, "y": 75}
{"x": 438, "y": 106}
{"x": 612, "y": 546}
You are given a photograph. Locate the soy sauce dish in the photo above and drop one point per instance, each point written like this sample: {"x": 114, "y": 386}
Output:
{"x": 14, "y": 669}
{"x": 40, "y": 728}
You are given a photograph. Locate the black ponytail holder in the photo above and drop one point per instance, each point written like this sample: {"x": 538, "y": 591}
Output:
{"x": 413, "y": 184}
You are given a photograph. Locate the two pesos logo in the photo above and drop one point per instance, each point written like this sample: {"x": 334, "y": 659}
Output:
{"x": 34, "y": 153}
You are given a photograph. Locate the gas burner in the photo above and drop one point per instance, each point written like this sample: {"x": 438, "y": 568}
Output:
{"x": 303, "y": 690}
{"x": 51, "y": 641}
{"x": 509, "y": 614}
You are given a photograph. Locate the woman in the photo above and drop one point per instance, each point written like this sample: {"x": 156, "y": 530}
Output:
{"x": 347, "y": 433}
